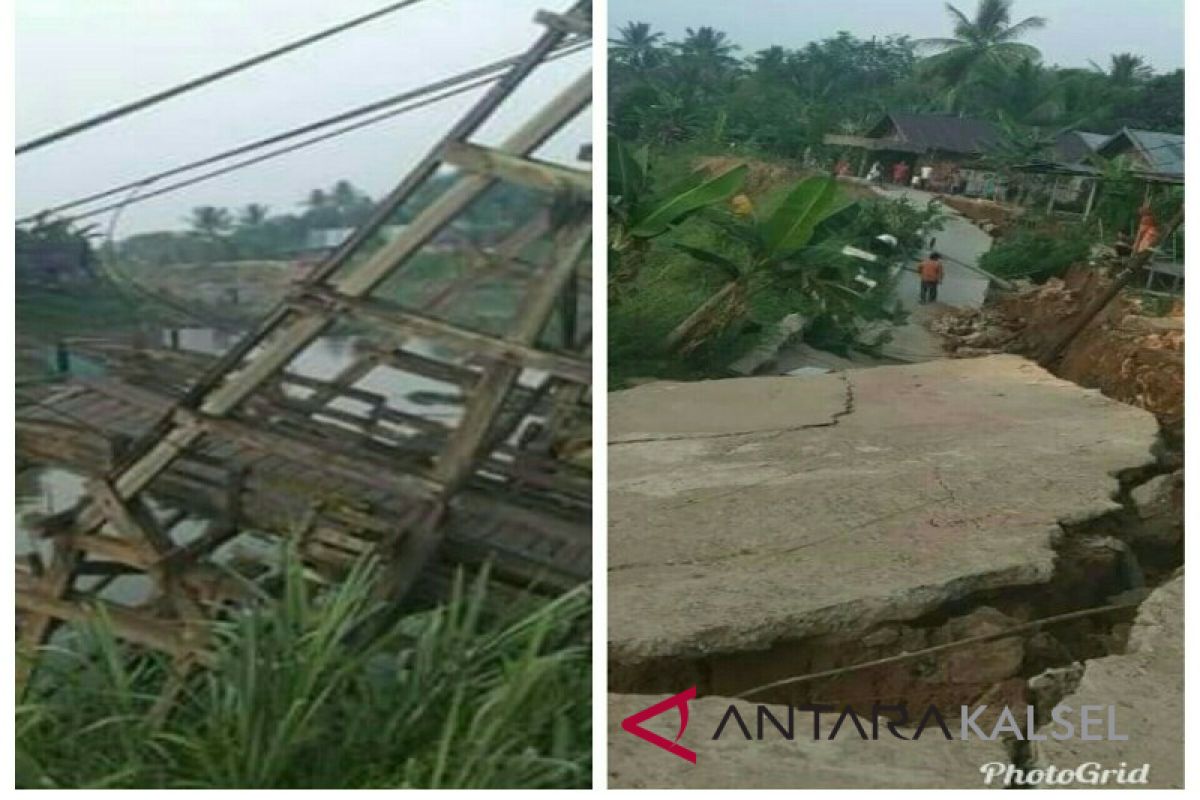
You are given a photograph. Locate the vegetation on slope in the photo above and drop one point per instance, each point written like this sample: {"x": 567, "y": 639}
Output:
{"x": 302, "y": 696}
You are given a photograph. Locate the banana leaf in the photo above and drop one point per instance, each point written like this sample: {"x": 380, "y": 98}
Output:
{"x": 682, "y": 202}
{"x": 792, "y": 224}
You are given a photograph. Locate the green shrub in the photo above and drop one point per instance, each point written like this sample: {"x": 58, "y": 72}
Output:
{"x": 300, "y": 697}
{"x": 1038, "y": 253}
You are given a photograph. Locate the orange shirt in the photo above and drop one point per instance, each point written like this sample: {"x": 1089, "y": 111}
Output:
{"x": 930, "y": 270}
{"x": 1147, "y": 238}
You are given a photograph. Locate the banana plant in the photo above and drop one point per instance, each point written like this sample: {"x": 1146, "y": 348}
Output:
{"x": 782, "y": 252}
{"x": 637, "y": 213}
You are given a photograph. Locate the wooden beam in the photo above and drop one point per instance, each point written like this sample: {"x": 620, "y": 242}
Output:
{"x": 128, "y": 624}
{"x": 528, "y": 172}
{"x": 553, "y": 116}
{"x": 327, "y": 456}
{"x": 461, "y": 339}
{"x": 571, "y": 22}
{"x": 458, "y": 460}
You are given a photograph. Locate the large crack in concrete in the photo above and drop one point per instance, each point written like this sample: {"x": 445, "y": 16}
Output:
{"x": 726, "y": 641}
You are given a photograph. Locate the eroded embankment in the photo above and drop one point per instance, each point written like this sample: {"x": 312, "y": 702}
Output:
{"x": 1126, "y": 352}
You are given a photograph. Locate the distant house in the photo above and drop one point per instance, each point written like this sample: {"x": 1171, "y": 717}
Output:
{"x": 1155, "y": 156}
{"x": 944, "y": 142}
{"x": 1077, "y": 147}
{"x": 1073, "y": 175}
{"x": 43, "y": 260}
{"x": 929, "y": 136}
{"x": 326, "y": 239}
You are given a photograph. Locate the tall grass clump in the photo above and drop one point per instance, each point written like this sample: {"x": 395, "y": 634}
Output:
{"x": 326, "y": 689}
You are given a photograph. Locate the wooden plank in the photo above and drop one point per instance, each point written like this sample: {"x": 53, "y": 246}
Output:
{"x": 438, "y": 214}
{"x": 460, "y": 339}
{"x": 362, "y": 469}
{"x": 572, "y": 22}
{"x": 510, "y": 168}
{"x": 128, "y": 624}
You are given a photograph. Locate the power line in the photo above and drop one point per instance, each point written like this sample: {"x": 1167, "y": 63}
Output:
{"x": 473, "y": 78}
{"x": 293, "y": 147}
{"x": 158, "y": 97}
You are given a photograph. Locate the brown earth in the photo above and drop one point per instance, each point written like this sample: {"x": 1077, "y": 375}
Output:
{"x": 1126, "y": 352}
{"x": 993, "y": 217}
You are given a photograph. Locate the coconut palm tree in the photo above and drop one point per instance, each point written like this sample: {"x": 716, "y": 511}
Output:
{"x": 707, "y": 46}
{"x": 988, "y": 37}
{"x": 252, "y": 214}
{"x": 210, "y": 221}
{"x": 1125, "y": 70}
{"x": 636, "y": 47}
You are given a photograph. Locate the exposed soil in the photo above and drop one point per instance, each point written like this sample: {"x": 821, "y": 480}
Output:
{"x": 1126, "y": 352}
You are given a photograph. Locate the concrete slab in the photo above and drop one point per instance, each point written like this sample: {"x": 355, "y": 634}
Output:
{"x": 1146, "y": 686}
{"x": 749, "y": 511}
{"x": 732, "y": 762}
{"x": 672, "y": 410}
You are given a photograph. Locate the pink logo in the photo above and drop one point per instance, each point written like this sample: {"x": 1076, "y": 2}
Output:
{"x": 633, "y": 724}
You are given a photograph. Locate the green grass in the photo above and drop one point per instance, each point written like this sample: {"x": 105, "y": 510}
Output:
{"x": 670, "y": 285}
{"x": 301, "y": 697}
{"x": 54, "y": 313}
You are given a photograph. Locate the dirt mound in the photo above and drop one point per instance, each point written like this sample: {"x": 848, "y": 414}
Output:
{"x": 1128, "y": 353}
{"x": 995, "y": 218}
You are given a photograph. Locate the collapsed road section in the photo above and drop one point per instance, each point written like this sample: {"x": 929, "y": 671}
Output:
{"x": 767, "y": 528}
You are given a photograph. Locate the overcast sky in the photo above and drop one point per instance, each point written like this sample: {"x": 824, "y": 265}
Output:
{"x": 1077, "y": 30}
{"x": 75, "y": 58}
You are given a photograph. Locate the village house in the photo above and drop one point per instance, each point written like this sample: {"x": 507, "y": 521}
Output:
{"x": 950, "y": 145}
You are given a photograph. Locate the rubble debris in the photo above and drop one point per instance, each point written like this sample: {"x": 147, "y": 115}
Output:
{"x": 1128, "y": 353}
{"x": 1159, "y": 506}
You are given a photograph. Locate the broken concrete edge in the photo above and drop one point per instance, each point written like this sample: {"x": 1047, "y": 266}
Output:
{"x": 869, "y": 613}
{"x": 1133, "y": 682}
{"x": 858, "y": 616}
{"x": 757, "y": 757}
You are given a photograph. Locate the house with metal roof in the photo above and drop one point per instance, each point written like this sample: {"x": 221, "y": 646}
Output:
{"x": 1153, "y": 155}
{"x": 924, "y": 134}
{"x": 1077, "y": 147}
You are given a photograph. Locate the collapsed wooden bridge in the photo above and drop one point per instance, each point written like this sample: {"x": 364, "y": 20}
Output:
{"x": 250, "y": 444}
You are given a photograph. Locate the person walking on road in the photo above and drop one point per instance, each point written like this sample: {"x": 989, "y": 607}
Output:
{"x": 931, "y": 274}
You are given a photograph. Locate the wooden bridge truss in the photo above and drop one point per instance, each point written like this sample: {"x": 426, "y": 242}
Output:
{"x": 249, "y": 440}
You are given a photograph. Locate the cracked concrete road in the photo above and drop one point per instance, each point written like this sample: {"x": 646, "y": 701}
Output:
{"x": 748, "y": 511}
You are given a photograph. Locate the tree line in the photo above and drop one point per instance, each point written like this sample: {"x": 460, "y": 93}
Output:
{"x": 783, "y": 101}
{"x": 253, "y": 232}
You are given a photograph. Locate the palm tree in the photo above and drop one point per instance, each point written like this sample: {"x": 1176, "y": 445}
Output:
{"x": 770, "y": 63}
{"x": 1125, "y": 70}
{"x": 317, "y": 199}
{"x": 210, "y": 221}
{"x": 707, "y": 46}
{"x": 636, "y": 47}
{"x": 1026, "y": 92}
{"x": 252, "y": 214}
{"x": 989, "y": 37}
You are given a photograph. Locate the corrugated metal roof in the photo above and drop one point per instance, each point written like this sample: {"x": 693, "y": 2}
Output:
{"x": 1072, "y": 147}
{"x": 944, "y": 132}
{"x": 1162, "y": 152}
